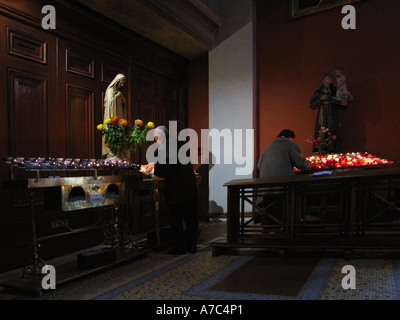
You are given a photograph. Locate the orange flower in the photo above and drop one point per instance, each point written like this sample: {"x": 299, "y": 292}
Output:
{"x": 139, "y": 122}
{"x": 123, "y": 122}
{"x": 114, "y": 120}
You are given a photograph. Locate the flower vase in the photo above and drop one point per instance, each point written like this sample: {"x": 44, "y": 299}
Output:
{"x": 321, "y": 149}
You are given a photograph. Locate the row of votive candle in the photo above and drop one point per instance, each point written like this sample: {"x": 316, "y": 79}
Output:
{"x": 345, "y": 160}
{"x": 34, "y": 163}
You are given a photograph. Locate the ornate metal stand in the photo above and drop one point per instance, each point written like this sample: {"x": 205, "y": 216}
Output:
{"x": 115, "y": 220}
{"x": 35, "y": 268}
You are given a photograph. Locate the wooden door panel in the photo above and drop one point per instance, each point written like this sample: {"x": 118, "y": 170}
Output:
{"x": 27, "y": 114}
{"x": 79, "y": 122}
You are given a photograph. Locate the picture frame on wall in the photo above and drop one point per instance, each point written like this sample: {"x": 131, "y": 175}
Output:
{"x": 300, "y": 8}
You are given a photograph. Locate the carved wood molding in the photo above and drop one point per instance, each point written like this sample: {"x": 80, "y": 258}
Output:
{"x": 192, "y": 16}
{"x": 78, "y": 63}
{"x": 26, "y": 46}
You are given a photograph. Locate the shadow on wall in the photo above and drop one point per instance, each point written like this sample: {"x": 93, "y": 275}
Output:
{"x": 215, "y": 209}
{"x": 355, "y": 120}
{"x": 209, "y": 208}
{"x": 204, "y": 189}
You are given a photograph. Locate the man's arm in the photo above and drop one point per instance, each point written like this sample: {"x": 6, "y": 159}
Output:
{"x": 298, "y": 160}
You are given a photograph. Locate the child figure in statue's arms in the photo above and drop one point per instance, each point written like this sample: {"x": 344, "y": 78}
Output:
{"x": 341, "y": 85}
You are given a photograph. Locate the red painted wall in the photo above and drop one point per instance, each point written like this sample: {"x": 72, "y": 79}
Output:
{"x": 293, "y": 54}
{"x": 198, "y": 118}
{"x": 198, "y": 115}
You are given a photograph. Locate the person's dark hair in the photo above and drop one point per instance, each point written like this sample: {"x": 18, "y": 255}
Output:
{"x": 287, "y": 134}
{"x": 327, "y": 75}
{"x": 340, "y": 68}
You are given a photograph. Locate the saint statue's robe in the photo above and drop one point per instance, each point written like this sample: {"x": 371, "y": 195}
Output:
{"x": 327, "y": 113}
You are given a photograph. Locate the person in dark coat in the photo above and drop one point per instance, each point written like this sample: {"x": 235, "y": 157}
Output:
{"x": 278, "y": 160}
{"x": 181, "y": 193}
{"x": 324, "y": 101}
{"x": 281, "y": 156}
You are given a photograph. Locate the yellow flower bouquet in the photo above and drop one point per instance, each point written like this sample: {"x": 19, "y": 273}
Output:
{"x": 121, "y": 137}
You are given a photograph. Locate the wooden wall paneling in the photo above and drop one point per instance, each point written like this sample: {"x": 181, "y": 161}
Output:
{"x": 145, "y": 106}
{"x": 57, "y": 129}
{"x": 27, "y": 72}
{"x": 147, "y": 83}
{"x": 147, "y": 113}
{"x": 79, "y": 121}
{"x": 159, "y": 99}
{"x": 4, "y": 172}
{"x": 110, "y": 68}
{"x": 27, "y": 114}
{"x": 32, "y": 50}
{"x": 26, "y": 46}
{"x": 3, "y": 89}
{"x": 29, "y": 51}
{"x": 31, "y": 8}
{"x": 78, "y": 74}
{"x": 164, "y": 92}
{"x": 79, "y": 63}
{"x": 172, "y": 101}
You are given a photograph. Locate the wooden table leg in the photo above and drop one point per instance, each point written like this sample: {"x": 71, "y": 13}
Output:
{"x": 233, "y": 214}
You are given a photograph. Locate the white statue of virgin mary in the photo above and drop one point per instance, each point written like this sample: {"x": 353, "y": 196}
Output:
{"x": 114, "y": 105}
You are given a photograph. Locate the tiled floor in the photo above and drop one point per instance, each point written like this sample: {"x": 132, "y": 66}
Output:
{"x": 160, "y": 276}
